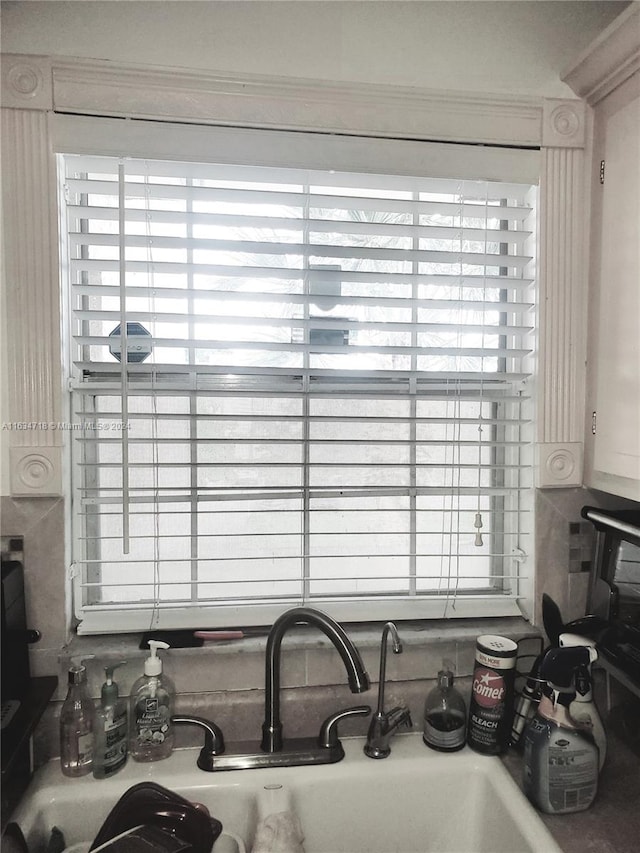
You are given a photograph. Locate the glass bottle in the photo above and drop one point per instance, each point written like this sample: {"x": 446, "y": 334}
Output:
{"x": 445, "y": 714}
{"x": 76, "y": 725}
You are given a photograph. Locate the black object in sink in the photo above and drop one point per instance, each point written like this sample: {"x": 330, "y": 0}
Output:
{"x": 150, "y": 804}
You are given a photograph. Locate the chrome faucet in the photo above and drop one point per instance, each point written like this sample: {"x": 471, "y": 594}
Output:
{"x": 356, "y": 673}
{"x": 273, "y": 750}
{"x": 384, "y": 724}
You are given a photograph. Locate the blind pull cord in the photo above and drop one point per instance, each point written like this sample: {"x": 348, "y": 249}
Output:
{"x": 124, "y": 358}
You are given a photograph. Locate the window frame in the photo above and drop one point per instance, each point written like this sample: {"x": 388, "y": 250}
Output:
{"x": 193, "y": 141}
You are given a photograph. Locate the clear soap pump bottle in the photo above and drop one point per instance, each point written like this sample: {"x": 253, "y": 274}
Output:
{"x": 152, "y": 698}
{"x": 445, "y": 714}
{"x": 77, "y": 720}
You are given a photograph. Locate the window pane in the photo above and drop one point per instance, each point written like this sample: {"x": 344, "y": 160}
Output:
{"x": 295, "y": 387}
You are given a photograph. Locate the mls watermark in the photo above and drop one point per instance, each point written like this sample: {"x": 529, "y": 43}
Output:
{"x": 66, "y": 426}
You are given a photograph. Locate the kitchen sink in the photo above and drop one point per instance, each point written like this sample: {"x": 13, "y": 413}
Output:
{"x": 414, "y": 801}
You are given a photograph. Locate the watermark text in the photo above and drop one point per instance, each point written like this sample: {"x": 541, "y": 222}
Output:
{"x": 66, "y": 426}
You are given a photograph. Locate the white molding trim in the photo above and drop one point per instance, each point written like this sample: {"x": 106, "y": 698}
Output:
{"x": 563, "y": 123}
{"x": 32, "y": 296}
{"x": 562, "y": 318}
{"x": 98, "y": 87}
{"x": 26, "y": 82}
{"x": 610, "y": 59}
{"x": 559, "y": 465}
{"x": 36, "y": 471}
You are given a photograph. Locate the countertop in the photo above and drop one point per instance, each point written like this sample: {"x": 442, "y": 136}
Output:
{"x": 612, "y": 824}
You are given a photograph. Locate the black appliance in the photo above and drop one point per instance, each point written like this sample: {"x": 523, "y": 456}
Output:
{"x": 24, "y": 699}
{"x": 16, "y": 676}
{"x": 614, "y": 590}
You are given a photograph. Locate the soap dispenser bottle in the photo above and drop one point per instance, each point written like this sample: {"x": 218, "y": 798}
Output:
{"x": 445, "y": 714}
{"x": 151, "y": 705}
{"x": 560, "y": 770}
{"x": 77, "y": 717}
{"x": 110, "y": 743}
{"x": 583, "y": 708}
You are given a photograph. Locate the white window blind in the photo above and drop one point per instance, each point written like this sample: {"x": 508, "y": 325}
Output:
{"x": 326, "y": 398}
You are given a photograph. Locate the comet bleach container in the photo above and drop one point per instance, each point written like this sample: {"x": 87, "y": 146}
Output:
{"x": 492, "y": 689}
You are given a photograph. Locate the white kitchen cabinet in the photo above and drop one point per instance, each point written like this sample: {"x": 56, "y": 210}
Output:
{"x": 609, "y": 78}
{"x": 613, "y": 349}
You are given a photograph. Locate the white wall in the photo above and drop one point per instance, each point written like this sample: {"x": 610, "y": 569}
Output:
{"x": 514, "y": 46}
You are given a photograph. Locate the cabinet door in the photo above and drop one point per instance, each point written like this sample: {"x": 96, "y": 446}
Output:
{"x": 613, "y": 463}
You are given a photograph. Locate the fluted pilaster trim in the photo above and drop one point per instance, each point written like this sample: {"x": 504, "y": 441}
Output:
{"x": 32, "y": 302}
{"x": 563, "y": 315}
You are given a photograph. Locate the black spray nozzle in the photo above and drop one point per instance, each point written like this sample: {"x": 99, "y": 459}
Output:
{"x": 559, "y": 666}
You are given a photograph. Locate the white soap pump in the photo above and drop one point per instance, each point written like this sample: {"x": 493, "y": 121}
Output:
{"x": 152, "y": 698}
{"x": 583, "y": 708}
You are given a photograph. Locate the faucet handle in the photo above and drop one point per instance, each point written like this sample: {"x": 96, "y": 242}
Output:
{"x": 328, "y": 737}
{"x": 213, "y": 739}
{"x": 399, "y": 716}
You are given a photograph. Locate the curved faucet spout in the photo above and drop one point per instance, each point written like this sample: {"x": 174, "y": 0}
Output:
{"x": 389, "y": 628}
{"x": 356, "y": 673}
{"x": 384, "y": 723}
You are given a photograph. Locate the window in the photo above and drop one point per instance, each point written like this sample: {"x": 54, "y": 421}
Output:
{"x": 326, "y": 397}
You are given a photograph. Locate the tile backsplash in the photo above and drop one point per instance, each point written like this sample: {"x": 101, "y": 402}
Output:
{"x": 224, "y": 682}
{"x": 563, "y": 546}
{"x": 41, "y": 523}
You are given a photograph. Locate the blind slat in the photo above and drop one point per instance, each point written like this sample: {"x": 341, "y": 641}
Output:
{"x": 148, "y": 191}
{"x": 294, "y": 276}
{"x": 382, "y": 302}
{"x": 211, "y": 379}
{"x": 316, "y": 225}
{"x": 309, "y": 249}
{"x": 83, "y": 164}
{"x": 292, "y": 348}
{"x": 232, "y": 493}
{"x": 351, "y": 324}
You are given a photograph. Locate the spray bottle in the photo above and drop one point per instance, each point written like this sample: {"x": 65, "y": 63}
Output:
{"x": 560, "y": 757}
{"x": 152, "y": 697}
{"x": 583, "y": 708}
{"x": 111, "y": 729}
{"x": 527, "y": 701}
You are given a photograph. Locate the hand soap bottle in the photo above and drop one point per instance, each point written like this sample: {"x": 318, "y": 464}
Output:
{"x": 445, "y": 714}
{"x": 560, "y": 773}
{"x": 152, "y": 698}
{"x": 77, "y": 723}
{"x": 110, "y": 743}
{"x": 583, "y": 708}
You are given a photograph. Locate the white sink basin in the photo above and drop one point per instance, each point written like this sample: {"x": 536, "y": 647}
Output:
{"x": 415, "y": 801}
